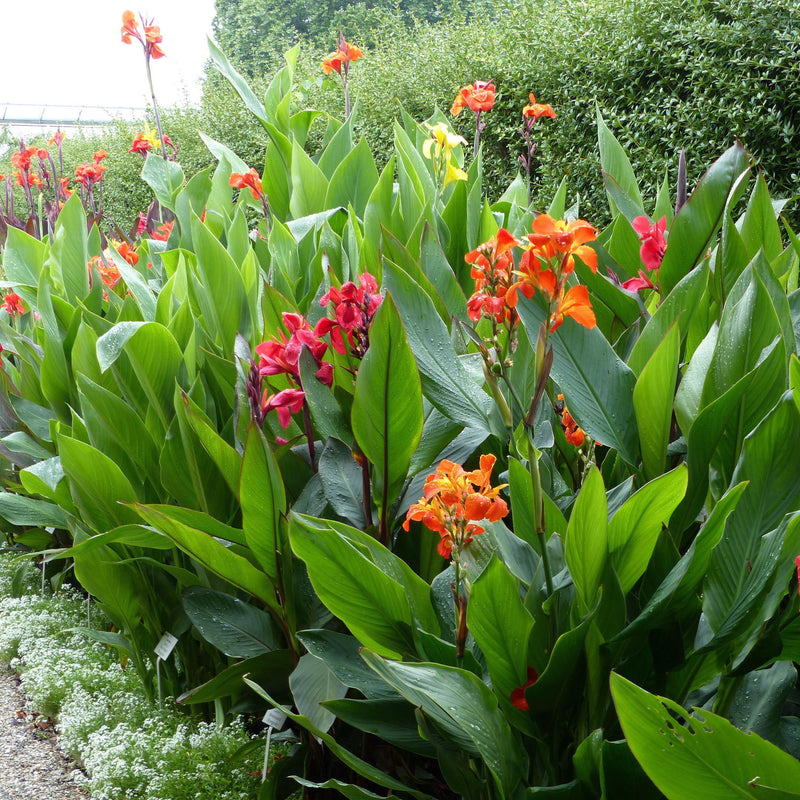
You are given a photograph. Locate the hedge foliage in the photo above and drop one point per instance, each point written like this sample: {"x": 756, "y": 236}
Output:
{"x": 666, "y": 76}
{"x": 691, "y": 74}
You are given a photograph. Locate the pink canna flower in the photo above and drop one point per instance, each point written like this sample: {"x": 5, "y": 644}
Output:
{"x": 653, "y": 242}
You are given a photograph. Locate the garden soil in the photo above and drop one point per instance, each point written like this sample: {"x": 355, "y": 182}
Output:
{"x": 31, "y": 768}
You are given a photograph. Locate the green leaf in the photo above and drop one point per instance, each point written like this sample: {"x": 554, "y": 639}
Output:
{"x": 224, "y": 67}
{"x": 463, "y": 704}
{"x": 263, "y": 500}
{"x": 387, "y": 405}
{"x": 617, "y": 170}
{"x": 652, "y": 401}
{"x": 211, "y": 554}
{"x": 223, "y": 298}
{"x": 635, "y": 528}
{"x": 354, "y": 180}
{"x": 597, "y": 385}
{"x": 698, "y": 221}
{"x": 309, "y": 185}
{"x": 342, "y": 482}
{"x": 445, "y": 380}
{"x": 164, "y": 177}
{"x": 23, "y": 258}
{"x": 501, "y": 625}
{"x": 372, "y": 591}
{"x": 20, "y": 510}
{"x": 312, "y": 683}
{"x": 708, "y": 758}
{"x": 587, "y": 544}
{"x": 239, "y": 630}
{"x": 70, "y": 250}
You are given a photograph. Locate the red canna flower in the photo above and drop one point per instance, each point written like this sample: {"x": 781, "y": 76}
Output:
{"x": 534, "y": 110}
{"x": 354, "y": 308}
{"x": 653, "y": 242}
{"x": 250, "y": 180}
{"x": 162, "y": 232}
{"x": 144, "y": 142}
{"x": 518, "y": 695}
{"x": 635, "y": 284}
{"x": 477, "y": 97}
{"x": 21, "y": 159}
{"x": 12, "y": 304}
{"x": 287, "y": 402}
{"x": 454, "y": 500}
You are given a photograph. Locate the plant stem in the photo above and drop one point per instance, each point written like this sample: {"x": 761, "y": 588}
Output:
{"x": 155, "y": 109}
{"x": 538, "y": 510}
{"x": 309, "y": 436}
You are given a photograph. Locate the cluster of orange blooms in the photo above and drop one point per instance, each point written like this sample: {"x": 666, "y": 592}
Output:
{"x": 249, "y": 180}
{"x": 455, "y": 500}
{"x": 151, "y": 43}
{"x": 573, "y": 433}
{"x": 544, "y": 266}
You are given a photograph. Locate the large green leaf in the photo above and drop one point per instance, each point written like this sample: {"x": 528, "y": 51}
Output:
{"x": 770, "y": 461}
{"x": 501, "y": 625}
{"x": 387, "y": 406}
{"x": 652, "y": 401}
{"x": 374, "y": 606}
{"x": 211, "y": 554}
{"x": 312, "y": 683}
{"x": 459, "y": 700}
{"x": 220, "y": 61}
{"x": 164, "y": 177}
{"x": 23, "y": 258}
{"x": 586, "y": 546}
{"x": 223, "y": 297}
{"x": 354, "y": 180}
{"x": 617, "y": 173}
{"x": 597, "y": 384}
{"x": 69, "y": 251}
{"x": 239, "y": 630}
{"x": 263, "y": 499}
{"x": 635, "y": 528}
{"x": 445, "y": 380}
{"x": 709, "y": 758}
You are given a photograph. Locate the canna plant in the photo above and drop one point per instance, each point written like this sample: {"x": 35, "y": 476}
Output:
{"x": 502, "y": 485}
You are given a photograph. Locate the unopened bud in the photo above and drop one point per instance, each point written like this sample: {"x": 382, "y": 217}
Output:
{"x": 497, "y": 368}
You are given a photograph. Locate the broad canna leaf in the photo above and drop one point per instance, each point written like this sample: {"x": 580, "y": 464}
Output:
{"x": 387, "y": 406}
{"x": 707, "y": 758}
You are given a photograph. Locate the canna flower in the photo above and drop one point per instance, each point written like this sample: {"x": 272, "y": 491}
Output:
{"x": 477, "y": 97}
{"x": 576, "y": 304}
{"x": 12, "y": 304}
{"x": 492, "y": 270}
{"x": 635, "y": 284}
{"x": 109, "y": 272}
{"x": 653, "y": 242}
{"x": 144, "y": 142}
{"x": 162, "y": 232}
{"x": 127, "y": 252}
{"x": 518, "y": 695}
{"x": 87, "y": 175}
{"x": 341, "y": 58}
{"x": 558, "y": 238}
{"x": 572, "y": 432}
{"x": 21, "y": 159}
{"x": 439, "y": 148}
{"x": 534, "y": 110}
{"x": 455, "y": 500}
{"x": 57, "y": 138}
{"x": 354, "y": 308}
{"x": 152, "y": 35}
{"x": 286, "y": 403}
{"x": 250, "y": 180}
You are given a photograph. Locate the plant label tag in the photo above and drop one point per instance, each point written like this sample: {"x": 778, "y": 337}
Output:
{"x": 274, "y": 718}
{"x": 165, "y": 646}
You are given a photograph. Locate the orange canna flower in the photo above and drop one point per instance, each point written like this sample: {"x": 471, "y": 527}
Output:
{"x": 558, "y": 238}
{"x": 152, "y": 35}
{"x": 162, "y": 232}
{"x": 477, "y": 97}
{"x": 341, "y": 58}
{"x": 572, "y": 432}
{"x": 128, "y": 253}
{"x": 454, "y": 500}
{"x": 492, "y": 269}
{"x": 534, "y": 110}
{"x": 250, "y": 180}
{"x": 57, "y": 138}
{"x": 575, "y": 303}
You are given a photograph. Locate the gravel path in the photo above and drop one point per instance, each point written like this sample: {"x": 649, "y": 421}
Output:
{"x": 30, "y": 766}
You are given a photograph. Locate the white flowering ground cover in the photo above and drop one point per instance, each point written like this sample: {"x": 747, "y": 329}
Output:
{"x": 130, "y": 748}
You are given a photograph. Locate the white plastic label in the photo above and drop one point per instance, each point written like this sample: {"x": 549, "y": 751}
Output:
{"x": 274, "y": 718}
{"x": 165, "y": 646}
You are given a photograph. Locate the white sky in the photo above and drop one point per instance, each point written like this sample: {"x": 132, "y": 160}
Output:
{"x": 70, "y": 52}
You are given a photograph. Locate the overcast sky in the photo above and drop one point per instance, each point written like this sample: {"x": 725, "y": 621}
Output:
{"x": 59, "y": 52}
